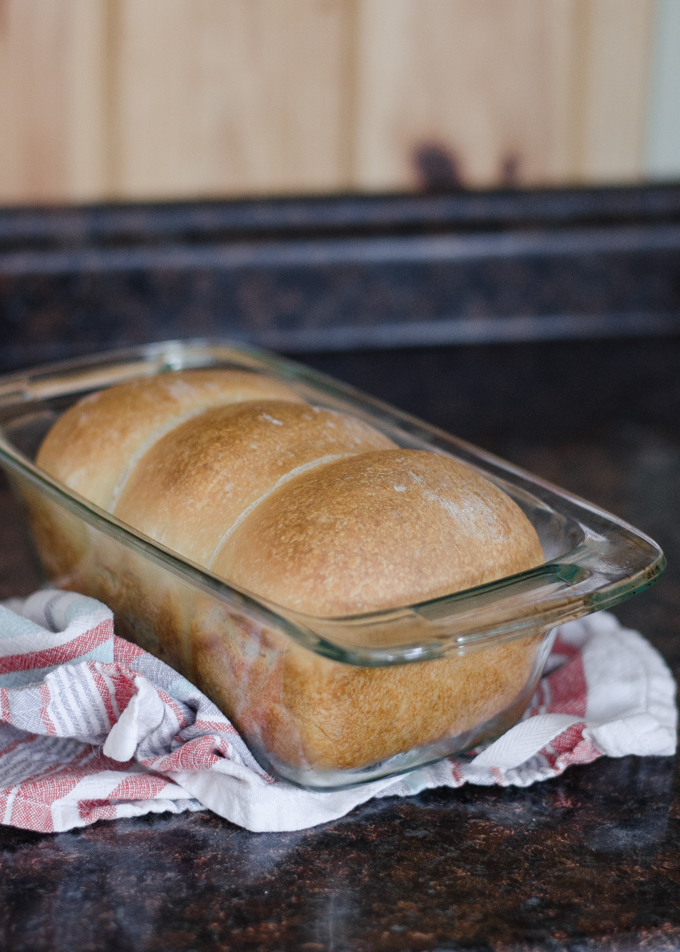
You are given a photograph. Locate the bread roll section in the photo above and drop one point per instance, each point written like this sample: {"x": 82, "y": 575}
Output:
{"x": 312, "y": 510}
{"x": 375, "y": 531}
{"x": 93, "y": 446}
{"x": 190, "y": 489}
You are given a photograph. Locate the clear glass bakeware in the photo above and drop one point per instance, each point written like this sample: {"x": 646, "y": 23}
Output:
{"x": 324, "y": 703}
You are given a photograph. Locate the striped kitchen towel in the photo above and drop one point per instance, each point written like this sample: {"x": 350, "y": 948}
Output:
{"x": 93, "y": 728}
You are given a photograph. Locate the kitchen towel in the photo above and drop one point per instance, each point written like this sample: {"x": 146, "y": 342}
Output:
{"x": 93, "y": 728}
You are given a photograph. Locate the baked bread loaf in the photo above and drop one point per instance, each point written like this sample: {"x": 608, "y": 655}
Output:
{"x": 314, "y": 511}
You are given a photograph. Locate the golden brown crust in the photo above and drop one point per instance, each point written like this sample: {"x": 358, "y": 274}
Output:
{"x": 381, "y": 528}
{"x": 90, "y": 445}
{"x": 309, "y": 711}
{"x": 192, "y": 486}
{"x": 346, "y": 717}
{"x": 378, "y": 531}
{"x": 304, "y": 710}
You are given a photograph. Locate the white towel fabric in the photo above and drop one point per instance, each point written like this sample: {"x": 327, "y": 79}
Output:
{"x": 92, "y": 727}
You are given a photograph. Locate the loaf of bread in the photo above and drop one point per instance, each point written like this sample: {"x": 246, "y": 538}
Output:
{"x": 312, "y": 510}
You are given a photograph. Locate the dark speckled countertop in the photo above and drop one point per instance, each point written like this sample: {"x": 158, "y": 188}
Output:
{"x": 590, "y": 860}
{"x": 541, "y": 325}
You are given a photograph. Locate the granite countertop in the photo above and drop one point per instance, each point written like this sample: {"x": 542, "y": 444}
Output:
{"x": 580, "y": 290}
{"x": 590, "y": 860}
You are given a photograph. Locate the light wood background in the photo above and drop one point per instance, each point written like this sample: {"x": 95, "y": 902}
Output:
{"x": 118, "y": 99}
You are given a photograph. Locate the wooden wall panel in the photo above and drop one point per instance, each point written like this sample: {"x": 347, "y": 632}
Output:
{"x": 486, "y": 81}
{"x": 189, "y": 98}
{"x": 221, "y": 97}
{"x": 516, "y": 91}
{"x": 52, "y": 100}
{"x": 611, "y": 88}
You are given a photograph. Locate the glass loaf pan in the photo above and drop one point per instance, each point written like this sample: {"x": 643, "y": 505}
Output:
{"x": 324, "y": 703}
